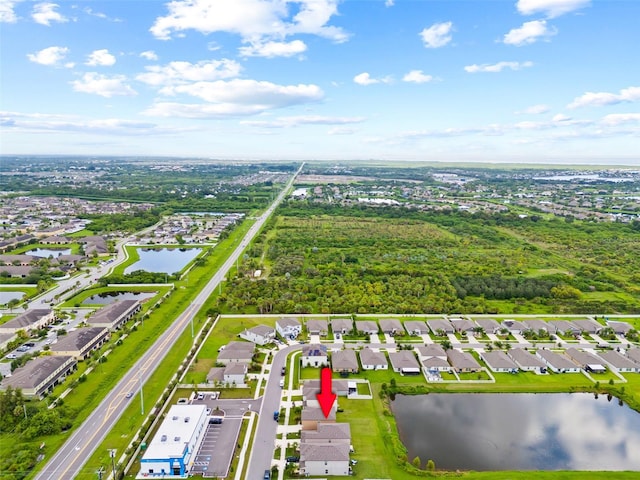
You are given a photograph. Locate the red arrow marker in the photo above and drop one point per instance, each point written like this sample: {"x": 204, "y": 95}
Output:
{"x": 326, "y": 397}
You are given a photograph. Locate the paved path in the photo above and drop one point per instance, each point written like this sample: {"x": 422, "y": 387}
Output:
{"x": 69, "y": 460}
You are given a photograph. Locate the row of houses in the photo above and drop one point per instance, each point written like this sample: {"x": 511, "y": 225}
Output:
{"x": 432, "y": 357}
{"x": 235, "y": 358}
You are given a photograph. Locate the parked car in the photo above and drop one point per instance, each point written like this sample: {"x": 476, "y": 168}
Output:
{"x": 201, "y": 396}
{"x": 11, "y": 356}
{"x": 283, "y": 371}
{"x": 267, "y": 475}
{"x": 293, "y": 459}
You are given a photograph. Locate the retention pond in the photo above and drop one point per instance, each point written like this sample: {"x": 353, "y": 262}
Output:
{"x": 485, "y": 432}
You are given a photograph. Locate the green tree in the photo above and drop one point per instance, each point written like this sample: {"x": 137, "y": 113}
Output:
{"x": 431, "y": 465}
{"x": 416, "y": 462}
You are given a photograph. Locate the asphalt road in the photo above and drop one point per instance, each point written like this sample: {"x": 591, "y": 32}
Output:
{"x": 264, "y": 440}
{"x": 68, "y": 461}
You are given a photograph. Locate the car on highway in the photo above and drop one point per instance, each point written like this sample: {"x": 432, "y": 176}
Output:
{"x": 129, "y": 394}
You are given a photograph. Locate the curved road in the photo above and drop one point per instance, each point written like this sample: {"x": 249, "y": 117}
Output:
{"x": 68, "y": 461}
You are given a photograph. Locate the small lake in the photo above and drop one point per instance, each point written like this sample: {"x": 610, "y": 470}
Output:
{"x": 48, "y": 252}
{"x": 164, "y": 260}
{"x": 519, "y": 431}
{"x": 6, "y": 297}
{"x": 111, "y": 297}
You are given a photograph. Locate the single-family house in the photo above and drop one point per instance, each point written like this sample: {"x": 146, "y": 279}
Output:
{"x": 391, "y": 326}
{"x": 34, "y": 319}
{"x": 565, "y": 327}
{"x": 536, "y": 325}
{"x": 462, "y": 362}
{"x": 324, "y": 459}
{"x": 499, "y": 362}
{"x": 634, "y": 354}
{"x": 312, "y": 387}
{"x": 416, "y": 327}
{"x": 437, "y": 364}
{"x": 440, "y": 326}
{"x": 585, "y": 360}
{"x": 489, "y": 325}
{"x": 526, "y": 361}
{"x": 235, "y": 374}
{"x": 40, "y": 375}
{"x": 260, "y": 335}
{"x": 317, "y": 327}
{"x": 344, "y": 361}
{"x": 236, "y": 352}
{"x": 587, "y": 325}
{"x": 372, "y": 360}
{"x": 215, "y": 375}
{"x": 405, "y": 362}
{"x": 312, "y": 416}
{"x": 619, "y": 362}
{"x": 620, "y": 328}
{"x": 314, "y": 355}
{"x": 328, "y": 433}
{"x": 288, "y": 327}
{"x": 557, "y": 362}
{"x": 430, "y": 351}
{"x": 342, "y": 326}
{"x": 462, "y": 325}
{"x": 81, "y": 342}
{"x": 367, "y": 327}
{"x": 514, "y": 326}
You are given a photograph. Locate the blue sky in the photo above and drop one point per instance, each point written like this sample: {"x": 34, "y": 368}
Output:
{"x": 492, "y": 81}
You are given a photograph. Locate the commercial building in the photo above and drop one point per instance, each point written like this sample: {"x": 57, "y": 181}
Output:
{"x": 40, "y": 375}
{"x": 173, "y": 449}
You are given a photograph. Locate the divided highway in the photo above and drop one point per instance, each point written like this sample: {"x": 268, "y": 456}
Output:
{"x": 69, "y": 460}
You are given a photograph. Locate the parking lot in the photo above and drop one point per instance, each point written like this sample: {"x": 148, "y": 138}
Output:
{"x": 220, "y": 440}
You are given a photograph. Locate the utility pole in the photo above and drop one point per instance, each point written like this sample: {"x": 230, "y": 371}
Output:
{"x": 112, "y": 454}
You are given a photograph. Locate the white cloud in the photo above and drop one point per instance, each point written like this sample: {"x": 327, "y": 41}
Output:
{"x": 39, "y": 122}
{"x": 100, "y": 58}
{"x": 274, "y": 49}
{"x": 437, "y": 35}
{"x": 341, "y": 131}
{"x": 560, "y": 117}
{"x": 551, "y": 8}
{"x": 103, "y": 85}
{"x": 253, "y": 20}
{"x": 600, "y": 99}
{"x": 536, "y": 109}
{"x": 45, "y": 13}
{"x": 51, "y": 56}
{"x": 389, "y": 3}
{"x": 179, "y": 73}
{"x": 620, "y": 118}
{"x": 528, "y": 33}
{"x": 497, "y": 67}
{"x": 7, "y": 14}
{"x": 295, "y": 121}
{"x": 149, "y": 55}
{"x": 235, "y": 97}
{"x": 101, "y": 15}
{"x": 365, "y": 79}
{"x": 416, "y": 76}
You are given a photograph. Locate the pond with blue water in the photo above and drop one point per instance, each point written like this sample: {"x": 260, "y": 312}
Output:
{"x": 111, "y": 297}
{"x": 48, "y": 252}
{"x": 163, "y": 260}
{"x": 523, "y": 431}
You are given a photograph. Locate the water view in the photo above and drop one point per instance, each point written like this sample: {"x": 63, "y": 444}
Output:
{"x": 519, "y": 431}
{"x": 6, "y": 297}
{"x": 49, "y": 252}
{"x": 111, "y": 297}
{"x": 164, "y": 260}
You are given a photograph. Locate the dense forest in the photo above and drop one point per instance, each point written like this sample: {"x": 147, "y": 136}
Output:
{"x": 326, "y": 258}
